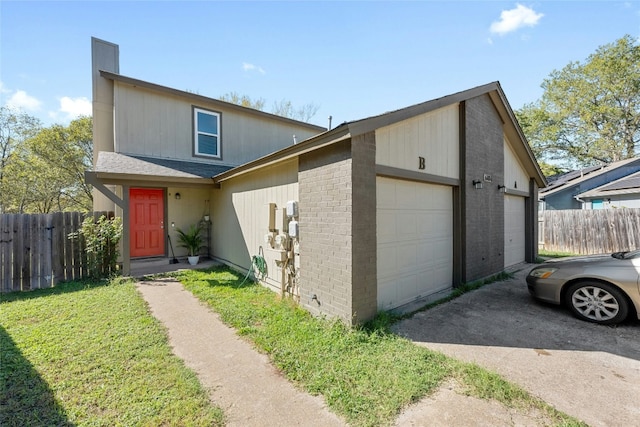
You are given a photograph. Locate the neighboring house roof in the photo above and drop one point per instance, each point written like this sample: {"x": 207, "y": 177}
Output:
{"x": 574, "y": 178}
{"x": 628, "y": 185}
{"x": 199, "y": 98}
{"x": 119, "y": 166}
{"x": 358, "y": 127}
{"x": 558, "y": 180}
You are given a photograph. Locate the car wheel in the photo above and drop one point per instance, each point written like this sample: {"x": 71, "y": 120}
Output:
{"x": 597, "y": 302}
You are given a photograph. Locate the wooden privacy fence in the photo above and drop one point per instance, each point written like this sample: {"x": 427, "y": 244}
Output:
{"x": 590, "y": 231}
{"x": 36, "y": 251}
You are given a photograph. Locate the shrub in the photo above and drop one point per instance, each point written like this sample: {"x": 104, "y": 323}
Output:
{"x": 101, "y": 238}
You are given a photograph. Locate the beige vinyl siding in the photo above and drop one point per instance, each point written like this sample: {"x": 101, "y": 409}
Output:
{"x": 434, "y": 136}
{"x": 514, "y": 172}
{"x": 161, "y": 125}
{"x": 241, "y": 214}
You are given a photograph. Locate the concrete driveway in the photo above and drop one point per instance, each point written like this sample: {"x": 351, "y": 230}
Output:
{"x": 589, "y": 371}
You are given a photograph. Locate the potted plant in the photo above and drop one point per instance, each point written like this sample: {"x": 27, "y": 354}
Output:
{"x": 192, "y": 241}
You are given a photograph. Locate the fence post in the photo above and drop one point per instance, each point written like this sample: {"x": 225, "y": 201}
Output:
{"x": 6, "y": 261}
{"x": 57, "y": 248}
{"x": 20, "y": 237}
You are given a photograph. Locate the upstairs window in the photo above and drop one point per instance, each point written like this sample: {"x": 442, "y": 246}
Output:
{"x": 206, "y": 133}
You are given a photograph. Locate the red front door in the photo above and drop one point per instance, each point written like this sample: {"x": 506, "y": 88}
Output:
{"x": 146, "y": 222}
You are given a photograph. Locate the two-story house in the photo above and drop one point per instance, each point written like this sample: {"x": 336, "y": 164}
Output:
{"x": 374, "y": 214}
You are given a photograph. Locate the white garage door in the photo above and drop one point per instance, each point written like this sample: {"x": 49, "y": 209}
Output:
{"x": 415, "y": 240}
{"x": 514, "y": 230}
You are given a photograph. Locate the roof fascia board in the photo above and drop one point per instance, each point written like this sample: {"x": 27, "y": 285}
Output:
{"x": 514, "y": 131}
{"x": 605, "y": 193}
{"x": 135, "y": 179}
{"x": 341, "y": 133}
{"x": 200, "y": 98}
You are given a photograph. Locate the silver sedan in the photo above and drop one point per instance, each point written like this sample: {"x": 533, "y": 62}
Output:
{"x": 597, "y": 288}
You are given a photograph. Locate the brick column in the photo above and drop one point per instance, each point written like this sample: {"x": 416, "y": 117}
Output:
{"x": 338, "y": 230}
{"x": 365, "y": 278}
{"x": 483, "y": 213}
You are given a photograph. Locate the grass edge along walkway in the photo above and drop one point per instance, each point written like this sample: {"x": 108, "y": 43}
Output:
{"x": 367, "y": 375}
{"x": 91, "y": 354}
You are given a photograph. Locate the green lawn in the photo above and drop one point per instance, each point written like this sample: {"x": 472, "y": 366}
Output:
{"x": 92, "y": 355}
{"x": 365, "y": 374}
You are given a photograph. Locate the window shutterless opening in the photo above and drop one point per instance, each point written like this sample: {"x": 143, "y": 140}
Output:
{"x": 206, "y": 133}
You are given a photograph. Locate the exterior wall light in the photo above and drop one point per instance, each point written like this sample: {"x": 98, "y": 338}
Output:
{"x": 177, "y": 196}
{"x": 477, "y": 184}
{"x": 502, "y": 188}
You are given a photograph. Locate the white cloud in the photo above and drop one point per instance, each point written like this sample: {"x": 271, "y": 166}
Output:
{"x": 3, "y": 89}
{"x": 76, "y": 106}
{"x": 72, "y": 108}
{"x": 21, "y": 100}
{"x": 251, "y": 67}
{"x": 514, "y": 19}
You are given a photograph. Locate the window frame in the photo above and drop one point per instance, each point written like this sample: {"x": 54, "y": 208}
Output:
{"x": 196, "y": 132}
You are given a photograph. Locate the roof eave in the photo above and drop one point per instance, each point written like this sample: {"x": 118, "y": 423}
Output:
{"x": 112, "y": 178}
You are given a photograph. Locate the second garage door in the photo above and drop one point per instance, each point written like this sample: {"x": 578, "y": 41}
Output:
{"x": 415, "y": 240}
{"x": 514, "y": 230}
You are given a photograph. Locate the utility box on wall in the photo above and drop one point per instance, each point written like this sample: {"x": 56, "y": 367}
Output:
{"x": 292, "y": 209}
{"x": 293, "y": 229}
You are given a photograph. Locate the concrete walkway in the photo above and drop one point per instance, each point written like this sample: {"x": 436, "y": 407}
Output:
{"x": 240, "y": 380}
{"x": 253, "y": 393}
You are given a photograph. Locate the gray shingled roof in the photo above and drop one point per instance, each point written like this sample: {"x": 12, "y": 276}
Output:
{"x": 628, "y": 185}
{"x": 577, "y": 177}
{"x": 117, "y": 163}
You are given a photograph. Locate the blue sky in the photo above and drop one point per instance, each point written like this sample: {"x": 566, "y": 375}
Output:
{"x": 353, "y": 59}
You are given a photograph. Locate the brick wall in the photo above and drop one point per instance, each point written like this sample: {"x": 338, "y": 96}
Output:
{"x": 337, "y": 190}
{"x": 325, "y": 216}
{"x": 483, "y": 211}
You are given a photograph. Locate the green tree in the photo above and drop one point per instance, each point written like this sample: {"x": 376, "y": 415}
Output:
{"x": 589, "y": 112}
{"x": 46, "y": 172}
{"x": 15, "y": 127}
